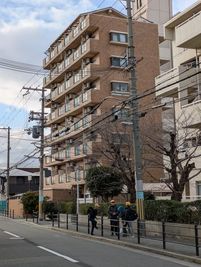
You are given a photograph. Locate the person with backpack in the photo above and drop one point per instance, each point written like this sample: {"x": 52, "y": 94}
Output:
{"x": 130, "y": 217}
{"x": 92, "y": 213}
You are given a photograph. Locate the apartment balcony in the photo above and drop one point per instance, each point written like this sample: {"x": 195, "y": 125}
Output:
{"x": 72, "y": 131}
{"x": 68, "y": 41}
{"x": 71, "y": 153}
{"x": 192, "y": 114}
{"x": 75, "y": 77}
{"x": 74, "y": 106}
{"x": 168, "y": 83}
{"x": 188, "y": 33}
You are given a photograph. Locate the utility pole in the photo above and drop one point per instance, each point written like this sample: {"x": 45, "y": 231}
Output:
{"x": 40, "y": 116}
{"x": 135, "y": 117}
{"x": 8, "y": 167}
{"x": 8, "y": 164}
{"x": 41, "y": 197}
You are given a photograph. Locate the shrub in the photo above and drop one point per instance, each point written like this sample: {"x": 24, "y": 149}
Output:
{"x": 30, "y": 202}
{"x": 173, "y": 211}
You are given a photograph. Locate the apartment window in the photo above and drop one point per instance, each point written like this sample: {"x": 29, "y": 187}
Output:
{"x": 118, "y": 37}
{"x": 67, "y": 39}
{"x": 76, "y": 101}
{"x": 60, "y": 67}
{"x": 84, "y": 47}
{"x": 68, "y": 106}
{"x": 119, "y": 62}
{"x": 85, "y": 149}
{"x": 77, "y": 76}
{"x": 198, "y": 187}
{"x": 48, "y": 180}
{"x": 85, "y": 121}
{"x": 76, "y": 53}
{"x": 77, "y": 150}
{"x": 68, "y": 152}
{"x": 119, "y": 87}
{"x": 76, "y": 31}
{"x": 60, "y": 88}
{"x": 60, "y": 46}
{"x": 77, "y": 125}
{"x": 67, "y": 61}
{"x": 68, "y": 178}
{"x": 77, "y": 175}
{"x": 83, "y": 24}
{"x": 85, "y": 97}
{"x": 68, "y": 83}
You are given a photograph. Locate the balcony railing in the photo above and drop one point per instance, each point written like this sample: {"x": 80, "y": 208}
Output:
{"x": 71, "y": 130}
{"x": 188, "y": 34}
{"x": 71, "y": 106}
{"x": 69, "y": 61}
{"x": 168, "y": 83}
{"x": 66, "y": 40}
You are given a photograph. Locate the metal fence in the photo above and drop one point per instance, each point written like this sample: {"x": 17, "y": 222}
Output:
{"x": 183, "y": 238}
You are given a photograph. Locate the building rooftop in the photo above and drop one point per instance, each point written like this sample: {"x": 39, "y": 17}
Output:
{"x": 184, "y": 15}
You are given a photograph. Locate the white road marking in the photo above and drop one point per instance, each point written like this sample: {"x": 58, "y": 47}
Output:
{"x": 21, "y": 238}
{"x": 58, "y": 254}
{"x": 9, "y": 233}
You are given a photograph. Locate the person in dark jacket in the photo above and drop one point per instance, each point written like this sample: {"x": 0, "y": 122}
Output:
{"x": 113, "y": 214}
{"x": 130, "y": 216}
{"x": 92, "y": 213}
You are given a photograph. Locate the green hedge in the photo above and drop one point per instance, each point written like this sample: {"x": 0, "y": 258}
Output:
{"x": 173, "y": 211}
{"x": 155, "y": 210}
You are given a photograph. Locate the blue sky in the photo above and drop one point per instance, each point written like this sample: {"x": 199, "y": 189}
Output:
{"x": 27, "y": 27}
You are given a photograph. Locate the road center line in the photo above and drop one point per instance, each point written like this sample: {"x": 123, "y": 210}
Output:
{"x": 58, "y": 254}
{"x": 9, "y": 233}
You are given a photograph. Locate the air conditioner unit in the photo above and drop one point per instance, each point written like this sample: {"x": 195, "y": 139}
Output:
{"x": 71, "y": 119}
{"x": 69, "y": 52}
{"x": 87, "y": 86}
{"x": 87, "y": 61}
{"x": 69, "y": 75}
{"x": 70, "y": 96}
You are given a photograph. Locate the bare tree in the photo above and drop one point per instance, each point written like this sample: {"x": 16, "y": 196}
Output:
{"x": 179, "y": 148}
{"x": 117, "y": 150}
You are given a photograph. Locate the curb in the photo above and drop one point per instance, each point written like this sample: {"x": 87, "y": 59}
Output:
{"x": 134, "y": 246}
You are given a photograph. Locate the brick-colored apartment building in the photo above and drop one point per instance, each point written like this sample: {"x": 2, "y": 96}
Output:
{"x": 87, "y": 67}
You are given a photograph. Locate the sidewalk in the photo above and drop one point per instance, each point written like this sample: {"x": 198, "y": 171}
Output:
{"x": 155, "y": 245}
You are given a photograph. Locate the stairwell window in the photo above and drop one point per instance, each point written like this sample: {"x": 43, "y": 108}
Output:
{"x": 118, "y": 37}
{"x": 139, "y": 3}
{"x": 119, "y": 62}
{"x": 119, "y": 87}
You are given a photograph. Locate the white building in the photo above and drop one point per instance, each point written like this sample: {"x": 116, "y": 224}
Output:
{"x": 158, "y": 12}
{"x": 183, "y": 81}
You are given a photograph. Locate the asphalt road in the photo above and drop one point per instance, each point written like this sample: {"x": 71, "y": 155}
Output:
{"x": 23, "y": 245}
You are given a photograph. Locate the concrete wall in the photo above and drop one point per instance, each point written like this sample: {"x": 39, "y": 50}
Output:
{"x": 16, "y": 205}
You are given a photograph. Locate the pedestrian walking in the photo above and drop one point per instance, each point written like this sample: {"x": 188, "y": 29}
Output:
{"x": 92, "y": 213}
{"x": 113, "y": 214}
{"x": 130, "y": 216}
